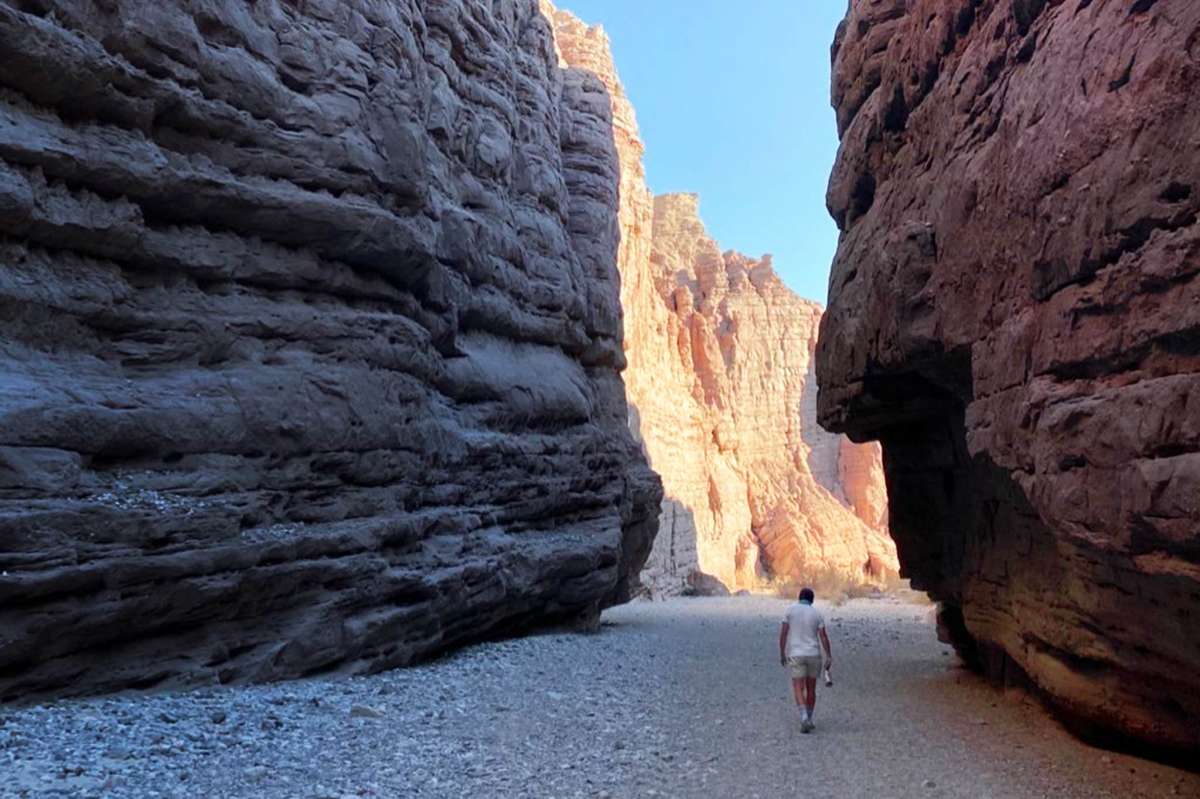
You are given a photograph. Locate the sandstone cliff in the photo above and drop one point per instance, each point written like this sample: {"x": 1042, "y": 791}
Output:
{"x": 722, "y": 394}
{"x": 309, "y": 339}
{"x": 1015, "y": 314}
{"x": 722, "y": 391}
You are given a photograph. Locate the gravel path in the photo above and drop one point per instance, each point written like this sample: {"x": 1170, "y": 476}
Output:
{"x": 670, "y": 699}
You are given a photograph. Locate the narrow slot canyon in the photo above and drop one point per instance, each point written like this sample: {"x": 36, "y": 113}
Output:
{"x": 371, "y": 427}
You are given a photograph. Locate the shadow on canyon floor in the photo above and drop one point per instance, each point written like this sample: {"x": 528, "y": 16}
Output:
{"x": 1037, "y": 610}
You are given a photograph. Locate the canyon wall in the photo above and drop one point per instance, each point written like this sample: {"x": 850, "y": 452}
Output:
{"x": 310, "y": 339}
{"x": 722, "y": 395}
{"x": 1015, "y": 314}
{"x": 763, "y": 495}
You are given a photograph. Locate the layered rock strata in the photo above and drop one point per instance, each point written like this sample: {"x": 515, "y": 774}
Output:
{"x": 310, "y": 342}
{"x": 722, "y": 388}
{"x": 722, "y": 395}
{"x": 1015, "y": 314}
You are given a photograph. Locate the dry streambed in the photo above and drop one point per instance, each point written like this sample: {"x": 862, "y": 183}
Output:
{"x": 672, "y": 699}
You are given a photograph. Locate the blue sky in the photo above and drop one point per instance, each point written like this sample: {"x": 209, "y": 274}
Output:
{"x": 732, "y": 100}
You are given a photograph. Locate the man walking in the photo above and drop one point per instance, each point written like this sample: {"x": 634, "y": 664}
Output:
{"x": 801, "y": 639}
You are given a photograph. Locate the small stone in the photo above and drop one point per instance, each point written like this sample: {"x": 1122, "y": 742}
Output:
{"x": 217, "y": 717}
{"x": 930, "y": 784}
{"x": 255, "y": 773}
{"x": 365, "y": 712}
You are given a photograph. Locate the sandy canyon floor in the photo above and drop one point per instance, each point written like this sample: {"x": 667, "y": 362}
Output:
{"x": 669, "y": 699}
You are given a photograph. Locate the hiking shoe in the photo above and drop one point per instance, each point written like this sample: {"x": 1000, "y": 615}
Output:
{"x": 806, "y": 726}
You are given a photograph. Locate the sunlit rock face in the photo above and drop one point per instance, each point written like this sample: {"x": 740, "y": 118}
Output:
{"x": 770, "y": 495}
{"x": 1015, "y": 314}
{"x": 310, "y": 339}
{"x": 722, "y": 395}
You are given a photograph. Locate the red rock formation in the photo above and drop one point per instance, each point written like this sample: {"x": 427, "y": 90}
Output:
{"x": 309, "y": 339}
{"x": 762, "y": 487}
{"x": 1015, "y": 314}
{"x": 860, "y": 474}
{"x": 721, "y": 393}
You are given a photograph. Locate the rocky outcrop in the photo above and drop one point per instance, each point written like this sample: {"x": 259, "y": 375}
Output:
{"x": 310, "y": 339}
{"x": 722, "y": 395}
{"x": 1015, "y": 314}
{"x": 722, "y": 387}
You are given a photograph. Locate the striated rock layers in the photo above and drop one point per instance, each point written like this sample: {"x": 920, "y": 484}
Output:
{"x": 722, "y": 394}
{"x": 310, "y": 339}
{"x": 1015, "y": 314}
{"x": 721, "y": 384}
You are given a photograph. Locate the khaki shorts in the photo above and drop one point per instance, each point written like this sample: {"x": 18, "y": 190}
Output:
{"x": 805, "y": 667}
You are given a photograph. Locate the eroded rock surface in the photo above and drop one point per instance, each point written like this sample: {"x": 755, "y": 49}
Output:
{"x": 722, "y": 395}
{"x": 1015, "y": 314}
{"x": 310, "y": 340}
{"x": 762, "y": 493}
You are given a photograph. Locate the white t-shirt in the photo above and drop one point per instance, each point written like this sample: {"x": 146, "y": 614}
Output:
{"x": 803, "y": 621}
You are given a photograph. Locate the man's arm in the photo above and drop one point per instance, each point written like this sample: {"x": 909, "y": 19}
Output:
{"x": 783, "y": 633}
{"x": 825, "y": 643}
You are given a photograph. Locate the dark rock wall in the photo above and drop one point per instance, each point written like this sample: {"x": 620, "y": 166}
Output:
{"x": 1015, "y": 314}
{"x": 309, "y": 339}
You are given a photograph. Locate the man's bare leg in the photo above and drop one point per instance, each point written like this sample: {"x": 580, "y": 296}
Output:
{"x": 810, "y": 700}
{"x": 798, "y": 692}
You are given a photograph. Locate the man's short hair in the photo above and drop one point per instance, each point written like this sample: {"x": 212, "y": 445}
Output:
{"x": 806, "y": 595}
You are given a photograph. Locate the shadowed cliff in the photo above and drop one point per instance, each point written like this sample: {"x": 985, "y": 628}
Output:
{"x": 310, "y": 339}
{"x": 1015, "y": 314}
